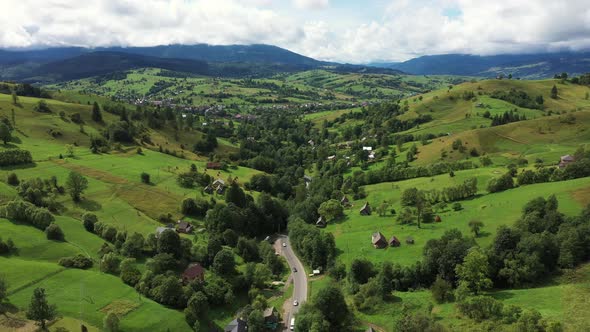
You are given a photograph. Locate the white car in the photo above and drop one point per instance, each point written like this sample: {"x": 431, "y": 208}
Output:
{"x": 284, "y": 244}
{"x": 295, "y": 303}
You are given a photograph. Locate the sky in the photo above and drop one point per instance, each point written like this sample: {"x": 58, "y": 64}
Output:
{"x": 332, "y": 30}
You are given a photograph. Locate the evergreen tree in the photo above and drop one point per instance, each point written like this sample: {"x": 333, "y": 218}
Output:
{"x": 554, "y": 92}
{"x": 39, "y": 309}
{"x": 96, "y": 114}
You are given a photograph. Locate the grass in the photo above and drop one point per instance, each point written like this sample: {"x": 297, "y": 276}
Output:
{"x": 353, "y": 234}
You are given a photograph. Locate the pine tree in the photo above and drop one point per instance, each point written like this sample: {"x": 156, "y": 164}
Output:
{"x": 554, "y": 92}
{"x": 96, "y": 114}
{"x": 39, "y": 309}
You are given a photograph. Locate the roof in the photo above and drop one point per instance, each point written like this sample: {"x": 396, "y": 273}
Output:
{"x": 366, "y": 207}
{"x": 367, "y": 148}
{"x": 184, "y": 225}
{"x": 568, "y": 157}
{"x": 236, "y": 325}
{"x": 269, "y": 311}
{"x": 377, "y": 237}
{"x": 194, "y": 271}
{"x": 219, "y": 181}
{"x": 371, "y": 329}
{"x": 394, "y": 240}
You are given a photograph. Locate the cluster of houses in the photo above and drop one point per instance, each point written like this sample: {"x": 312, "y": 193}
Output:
{"x": 379, "y": 241}
{"x": 371, "y": 153}
{"x": 218, "y": 186}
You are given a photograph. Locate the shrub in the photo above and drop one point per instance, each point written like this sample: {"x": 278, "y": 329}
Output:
{"x": 53, "y": 232}
{"x": 15, "y": 157}
{"x": 145, "y": 178}
{"x": 12, "y": 179}
{"x": 28, "y": 213}
{"x": 442, "y": 290}
{"x": 457, "y": 206}
{"x": 480, "y": 308}
{"x": 89, "y": 219}
{"x": 78, "y": 262}
{"x": 6, "y": 247}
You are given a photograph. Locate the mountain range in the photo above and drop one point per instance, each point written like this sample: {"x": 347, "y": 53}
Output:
{"x": 259, "y": 60}
{"x": 526, "y": 66}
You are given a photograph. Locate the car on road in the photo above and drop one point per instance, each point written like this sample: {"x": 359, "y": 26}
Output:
{"x": 294, "y": 269}
{"x": 284, "y": 244}
{"x": 295, "y": 303}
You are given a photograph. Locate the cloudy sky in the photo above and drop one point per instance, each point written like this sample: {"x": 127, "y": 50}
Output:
{"x": 354, "y": 31}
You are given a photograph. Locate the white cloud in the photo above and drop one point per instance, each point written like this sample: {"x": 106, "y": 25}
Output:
{"x": 311, "y": 4}
{"x": 398, "y": 31}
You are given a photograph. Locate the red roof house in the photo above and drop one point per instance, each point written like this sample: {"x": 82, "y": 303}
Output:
{"x": 194, "y": 271}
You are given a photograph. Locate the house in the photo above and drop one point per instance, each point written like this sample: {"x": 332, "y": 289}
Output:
{"x": 211, "y": 165}
{"x": 271, "y": 317}
{"x": 437, "y": 219}
{"x": 217, "y": 183}
{"x": 378, "y": 240}
{"x": 184, "y": 227}
{"x": 366, "y": 210}
{"x": 367, "y": 148}
{"x": 332, "y": 157}
{"x": 236, "y": 325}
{"x": 208, "y": 190}
{"x": 410, "y": 240}
{"x": 307, "y": 180}
{"x": 192, "y": 272}
{"x": 220, "y": 190}
{"x": 345, "y": 201}
{"x": 372, "y": 155}
{"x": 566, "y": 160}
{"x": 321, "y": 223}
{"x": 394, "y": 242}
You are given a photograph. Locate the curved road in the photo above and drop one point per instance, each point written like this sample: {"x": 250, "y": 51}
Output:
{"x": 299, "y": 278}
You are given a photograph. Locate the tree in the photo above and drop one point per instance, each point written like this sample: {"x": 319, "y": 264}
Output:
{"x": 473, "y": 272}
{"x": 76, "y": 184}
{"x": 475, "y": 226}
{"x": 89, "y": 219}
{"x": 197, "y": 307}
{"x": 442, "y": 290}
{"x": 145, "y": 178}
{"x": 224, "y": 263}
{"x": 255, "y": 321}
{"x": 5, "y": 135}
{"x": 169, "y": 242}
{"x": 14, "y": 97}
{"x": 133, "y": 245}
{"x": 54, "y": 232}
{"x": 130, "y": 274}
{"x": 330, "y": 302}
{"x": 111, "y": 322}
{"x": 96, "y": 114}
{"x": 331, "y": 209}
{"x": 39, "y": 309}
{"x": 554, "y": 92}
{"x": 3, "y": 293}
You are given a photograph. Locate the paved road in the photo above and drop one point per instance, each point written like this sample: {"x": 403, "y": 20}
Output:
{"x": 299, "y": 279}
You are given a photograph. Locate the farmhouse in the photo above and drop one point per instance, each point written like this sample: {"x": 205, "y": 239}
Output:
{"x": 236, "y": 325}
{"x": 194, "y": 271}
{"x": 394, "y": 242}
{"x": 378, "y": 240}
{"x": 566, "y": 160}
{"x": 321, "y": 223}
{"x": 211, "y": 165}
{"x": 184, "y": 227}
{"x": 366, "y": 210}
{"x": 345, "y": 201}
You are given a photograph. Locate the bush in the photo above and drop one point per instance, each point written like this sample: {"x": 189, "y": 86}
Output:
{"x": 53, "y": 232}
{"x": 6, "y": 247}
{"x": 457, "y": 206}
{"x": 78, "y": 262}
{"x": 442, "y": 290}
{"x": 12, "y": 179}
{"x": 145, "y": 178}
{"x": 89, "y": 219}
{"x": 28, "y": 213}
{"x": 480, "y": 308}
{"x": 15, "y": 157}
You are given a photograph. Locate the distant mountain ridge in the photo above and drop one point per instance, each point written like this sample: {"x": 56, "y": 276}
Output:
{"x": 55, "y": 64}
{"x": 527, "y": 66}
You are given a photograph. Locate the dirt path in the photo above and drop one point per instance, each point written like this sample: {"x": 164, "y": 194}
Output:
{"x": 510, "y": 138}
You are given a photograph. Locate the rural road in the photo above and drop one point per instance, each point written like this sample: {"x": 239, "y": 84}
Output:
{"x": 299, "y": 279}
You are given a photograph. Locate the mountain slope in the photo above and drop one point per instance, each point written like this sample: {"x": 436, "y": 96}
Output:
{"x": 519, "y": 65}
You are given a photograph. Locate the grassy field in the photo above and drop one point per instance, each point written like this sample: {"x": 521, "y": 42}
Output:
{"x": 353, "y": 233}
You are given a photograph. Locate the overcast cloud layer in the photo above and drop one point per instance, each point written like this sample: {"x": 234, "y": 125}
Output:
{"x": 345, "y": 30}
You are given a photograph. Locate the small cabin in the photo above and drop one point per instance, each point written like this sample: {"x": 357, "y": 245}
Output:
{"x": 394, "y": 242}
{"x": 378, "y": 240}
{"x": 366, "y": 210}
{"x": 321, "y": 222}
